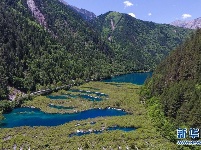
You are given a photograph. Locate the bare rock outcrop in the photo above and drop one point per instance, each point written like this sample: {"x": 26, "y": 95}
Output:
{"x": 36, "y": 12}
{"x": 87, "y": 15}
{"x": 192, "y": 24}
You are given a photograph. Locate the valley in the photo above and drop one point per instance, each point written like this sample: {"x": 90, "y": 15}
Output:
{"x": 72, "y": 79}
{"x": 102, "y": 134}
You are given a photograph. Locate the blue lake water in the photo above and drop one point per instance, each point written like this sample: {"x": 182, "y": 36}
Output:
{"x": 125, "y": 129}
{"x": 60, "y": 107}
{"x": 88, "y": 92}
{"x": 135, "y": 78}
{"x": 60, "y": 97}
{"x": 34, "y": 117}
{"x": 91, "y": 98}
{"x": 82, "y": 94}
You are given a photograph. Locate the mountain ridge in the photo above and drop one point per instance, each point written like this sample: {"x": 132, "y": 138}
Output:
{"x": 31, "y": 57}
{"x": 192, "y": 24}
{"x": 64, "y": 47}
{"x": 87, "y": 15}
{"x": 138, "y": 38}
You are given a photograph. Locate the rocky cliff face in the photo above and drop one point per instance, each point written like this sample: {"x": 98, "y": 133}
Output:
{"x": 36, "y": 12}
{"x": 192, "y": 24}
{"x": 87, "y": 15}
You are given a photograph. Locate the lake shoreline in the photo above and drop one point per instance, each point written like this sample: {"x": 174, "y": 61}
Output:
{"x": 19, "y": 101}
{"x": 125, "y": 96}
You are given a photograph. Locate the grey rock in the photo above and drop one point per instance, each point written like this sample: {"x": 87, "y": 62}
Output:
{"x": 191, "y": 24}
{"x": 87, "y": 15}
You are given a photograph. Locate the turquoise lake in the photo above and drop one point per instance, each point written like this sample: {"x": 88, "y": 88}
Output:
{"x": 34, "y": 117}
{"x": 60, "y": 107}
{"x": 135, "y": 78}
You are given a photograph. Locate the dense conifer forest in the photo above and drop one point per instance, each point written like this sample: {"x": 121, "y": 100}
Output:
{"x": 138, "y": 44}
{"x": 33, "y": 55}
{"x": 175, "y": 86}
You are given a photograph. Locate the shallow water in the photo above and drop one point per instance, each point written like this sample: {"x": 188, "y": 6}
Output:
{"x": 82, "y": 94}
{"x": 58, "y": 97}
{"x": 60, "y": 107}
{"x": 91, "y": 98}
{"x": 125, "y": 129}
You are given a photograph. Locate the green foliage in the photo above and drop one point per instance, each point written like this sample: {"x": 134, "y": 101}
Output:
{"x": 33, "y": 56}
{"x": 138, "y": 45}
{"x": 146, "y": 135}
{"x": 176, "y": 83}
{"x": 3, "y": 83}
{"x": 1, "y": 117}
{"x": 159, "y": 120}
{"x": 67, "y": 48}
{"x": 6, "y": 106}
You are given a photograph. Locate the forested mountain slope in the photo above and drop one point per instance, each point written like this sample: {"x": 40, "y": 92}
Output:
{"x": 45, "y": 43}
{"x": 138, "y": 44}
{"x": 176, "y": 83}
{"x": 55, "y": 48}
